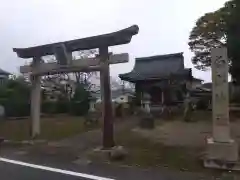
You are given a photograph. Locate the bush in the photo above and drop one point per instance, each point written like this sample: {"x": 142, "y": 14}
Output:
{"x": 48, "y": 107}
{"x": 202, "y": 104}
{"x": 15, "y": 97}
{"x": 55, "y": 107}
{"x": 235, "y": 98}
{"x": 62, "y": 106}
{"x": 80, "y": 102}
{"x": 16, "y": 109}
{"x": 79, "y": 108}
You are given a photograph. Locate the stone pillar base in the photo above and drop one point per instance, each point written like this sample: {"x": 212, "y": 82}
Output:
{"x": 222, "y": 155}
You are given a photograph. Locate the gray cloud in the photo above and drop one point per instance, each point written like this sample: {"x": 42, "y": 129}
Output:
{"x": 164, "y": 25}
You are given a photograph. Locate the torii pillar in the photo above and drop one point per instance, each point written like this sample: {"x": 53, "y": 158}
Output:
{"x": 35, "y": 101}
{"x": 108, "y": 140}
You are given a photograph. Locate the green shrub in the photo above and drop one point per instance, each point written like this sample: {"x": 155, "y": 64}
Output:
{"x": 79, "y": 108}
{"x": 16, "y": 109}
{"x": 202, "y": 104}
{"x": 62, "y": 106}
{"x": 48, "y": 107}
{"x": 80, "y": 102}
{"x": 235, "y": 98}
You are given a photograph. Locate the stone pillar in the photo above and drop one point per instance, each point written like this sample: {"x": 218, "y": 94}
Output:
{"x": 35, "y": 101}
{"x": 108, "y": 140}
{"x": 220, "y": 147}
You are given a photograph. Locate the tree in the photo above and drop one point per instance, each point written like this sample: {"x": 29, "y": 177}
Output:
{"x": 233, "y": 40}
{"x": 217, "y": 29}
{"x": 15, "y": 96}
{"x": 117, "y": 83}
{"x": 65, "y": 84}
{"x": 80, "y": 101}
{"x": 59, "y": 85}
{"x": 84, "y": 78}
{"x": 208, "y": 33}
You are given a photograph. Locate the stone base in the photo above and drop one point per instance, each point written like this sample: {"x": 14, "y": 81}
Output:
{"x": 222, "y": 155}
{"x": 114, "y": 153}
{"x": 218, "y": 164}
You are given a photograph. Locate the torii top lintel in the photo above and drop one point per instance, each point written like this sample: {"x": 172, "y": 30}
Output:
{"x": 123, "y": 36}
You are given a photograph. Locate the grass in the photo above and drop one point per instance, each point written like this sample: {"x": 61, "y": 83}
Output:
{"x": 146, "y": 153}
{"x": 143, "y": 152}
{"x": 54, "y": 128}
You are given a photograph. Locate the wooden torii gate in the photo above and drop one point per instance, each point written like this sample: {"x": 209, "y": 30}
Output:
{"x": 63, "y": 53}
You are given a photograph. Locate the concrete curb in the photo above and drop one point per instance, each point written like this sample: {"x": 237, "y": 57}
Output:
{"x": 24, "y": 142}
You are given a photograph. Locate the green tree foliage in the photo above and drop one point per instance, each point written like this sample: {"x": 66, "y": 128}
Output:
{"x": 15, "y": 96}
{"x": 233, "y": 38}
{"x": 217, "y": 29}
{"x": 80, "y": 101}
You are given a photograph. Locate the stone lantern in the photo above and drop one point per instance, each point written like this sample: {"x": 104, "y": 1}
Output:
{"x": 92, "y": 104}
{"x": 146, "y": 121}
{"x": 145, "y": 104}
{"x": 92, "y": 117}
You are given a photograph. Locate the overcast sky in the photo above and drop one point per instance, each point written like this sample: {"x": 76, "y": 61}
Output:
{"x": 164, "y": 26}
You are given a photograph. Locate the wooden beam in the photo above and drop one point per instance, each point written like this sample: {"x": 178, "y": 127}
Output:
{"x": 67, "y": 70}
{"x": 116, "y": 38}
{"x": 108, "y": 140}
{"x": 88, "y": 64}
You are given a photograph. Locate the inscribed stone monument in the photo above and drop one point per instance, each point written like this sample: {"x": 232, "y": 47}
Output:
{"x": 221, "y": 149}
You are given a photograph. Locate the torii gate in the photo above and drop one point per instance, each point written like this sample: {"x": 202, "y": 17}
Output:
{"x": 65, "y": 64}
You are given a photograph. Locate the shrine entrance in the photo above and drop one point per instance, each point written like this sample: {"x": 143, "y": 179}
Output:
{"x": 65, "y": 64}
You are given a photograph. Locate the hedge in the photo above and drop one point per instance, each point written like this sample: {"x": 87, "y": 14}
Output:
{"x": 79, "y": 108}
{"x": 17, "y": 109}
{"x": 20, "y": 109}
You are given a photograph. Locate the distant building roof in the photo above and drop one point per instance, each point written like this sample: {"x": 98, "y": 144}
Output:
{"x": 196, "y": 79}
{"x": 2, "y": 72}
{"x": 119, "y": 92}
{"x": 115, "y": 93}
{"x": 207, "y": 85}
{"x": 157, "y": 67}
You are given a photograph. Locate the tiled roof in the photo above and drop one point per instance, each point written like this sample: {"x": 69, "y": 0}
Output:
{"x": 157, "y": 67}
{"x": 2, "y": 72}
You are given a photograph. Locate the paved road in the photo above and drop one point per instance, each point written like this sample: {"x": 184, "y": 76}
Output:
{"x": 25, "y": 171}
{"x": 10, "y": 171}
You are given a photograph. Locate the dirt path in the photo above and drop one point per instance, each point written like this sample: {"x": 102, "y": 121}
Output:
{"x": 91, "y": 138}
{"x": 180, "y": 133}
{"x": 68, "y": 149}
